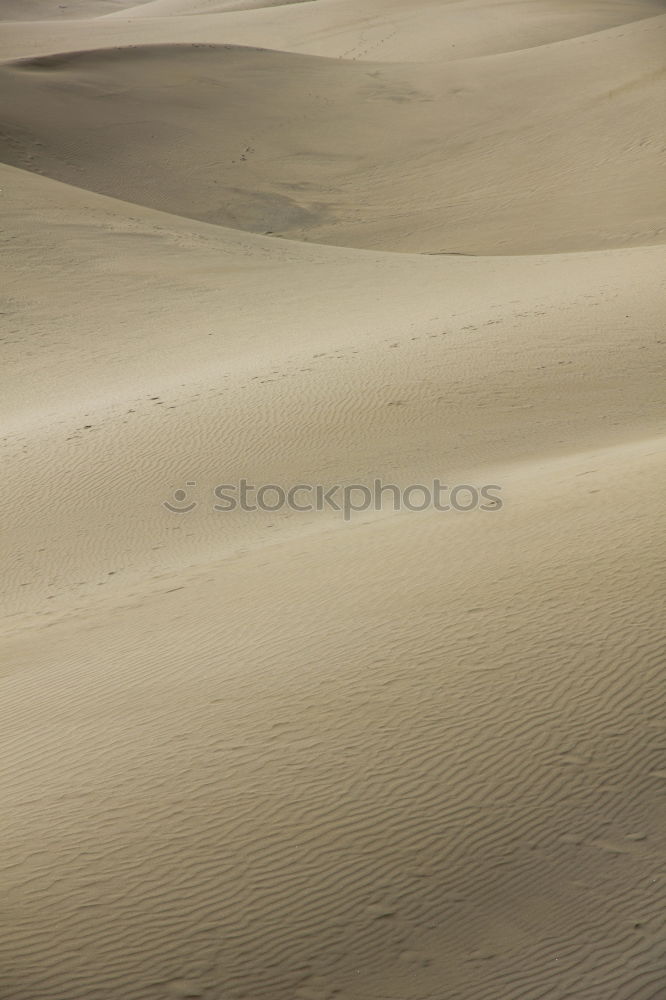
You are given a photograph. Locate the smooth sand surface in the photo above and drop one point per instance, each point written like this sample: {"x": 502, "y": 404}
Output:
{"x": 496, "y": 154}
{"x": 275, "y": 755}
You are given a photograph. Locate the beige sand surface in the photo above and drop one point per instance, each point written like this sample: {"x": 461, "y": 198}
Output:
{"x": 497, "y": 154}
{"x": 376, "y": 30}
{"x": 277, "y": 756}
{"x": 13, "y": 11}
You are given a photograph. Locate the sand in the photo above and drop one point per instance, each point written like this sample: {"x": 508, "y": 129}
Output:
{"x": 278, "y": 755}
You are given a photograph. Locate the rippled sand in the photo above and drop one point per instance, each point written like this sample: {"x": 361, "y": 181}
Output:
{"x": 278, "y": 755}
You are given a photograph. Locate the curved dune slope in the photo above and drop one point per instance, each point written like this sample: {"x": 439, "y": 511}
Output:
{"x": 375, "y": 30}
{"x": 285, "y": 757}
{"x": 449, "y": 364}
{"x": 278, "y": 755}
{"x": 40, "y": 10}
{"x": 305, "y": 147}
{"x": 307, "y": 773}
{"x": 390, "y": 30}
{"x": 176, "y": 8}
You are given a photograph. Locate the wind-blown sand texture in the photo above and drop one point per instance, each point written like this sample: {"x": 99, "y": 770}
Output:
{"x": 277, "y": 756}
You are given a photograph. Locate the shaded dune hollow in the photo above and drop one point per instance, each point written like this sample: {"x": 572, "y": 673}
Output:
{"x": 557, "y": 148}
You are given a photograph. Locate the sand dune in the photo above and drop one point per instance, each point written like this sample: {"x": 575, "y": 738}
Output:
{"x": 175, "y": 8}
{"x": 491, "y": 360}
{"x": 192, "y": 131}
{"x": 393, "y": 31}
{"x": 355, "y": 30}
{"x": 279, "y": 755}
{"x": 306, "y": 771}
{"x": 40, "y": 10}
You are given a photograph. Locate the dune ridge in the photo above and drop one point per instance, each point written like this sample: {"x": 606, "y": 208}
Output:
{"x": 377, "y": 30}
{"x": 277, "y": 755}
{"x": 191, "y": 131}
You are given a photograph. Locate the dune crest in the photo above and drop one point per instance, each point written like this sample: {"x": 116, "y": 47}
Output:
{"x": 304, "y": 147}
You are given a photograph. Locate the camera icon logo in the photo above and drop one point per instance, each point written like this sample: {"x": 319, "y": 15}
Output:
{"x": 179, "y": 505}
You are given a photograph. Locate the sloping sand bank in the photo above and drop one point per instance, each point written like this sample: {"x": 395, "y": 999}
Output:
{"x": 281, "y": 755}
